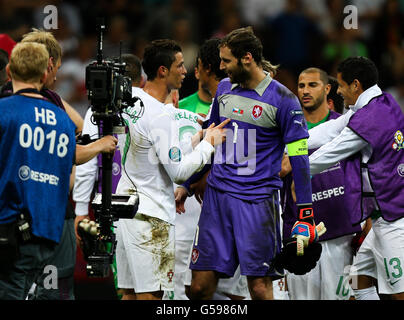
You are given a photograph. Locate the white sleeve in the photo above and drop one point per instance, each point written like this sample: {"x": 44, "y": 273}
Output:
{"x": 186, "y": 146}
{"x": 328, "y": 130}
{"x": 341, "y": 147}
{"x": 86, "y": 173}
{"x": 164, "y": 134}
{"x": 209, "y": 113}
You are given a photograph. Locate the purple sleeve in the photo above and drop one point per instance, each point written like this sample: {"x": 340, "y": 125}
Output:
{"x": 301, "y": 176}
{"x": 196, "y": 177}
{"x": 291, "y": 120}
{"x": 214, "y": 113}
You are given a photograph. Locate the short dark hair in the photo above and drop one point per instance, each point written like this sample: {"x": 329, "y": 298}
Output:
{"x": 334, "y": 96}
{"x": 361, "y": 68}
{"x": 209, "y": 55}
{"x": 241, "y": 41}
{"x": 322, "y": 73}
{"x": 158, "y": 53}
{"x": 133, "y": 67}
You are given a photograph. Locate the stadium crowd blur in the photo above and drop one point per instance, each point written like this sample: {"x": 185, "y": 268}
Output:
{"x": 296, "y": 34}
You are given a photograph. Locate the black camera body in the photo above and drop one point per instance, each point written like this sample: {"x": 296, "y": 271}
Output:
{"x": 123, "y": 206}
{"x": 99, "y": 248}
{"x": 98, "y": 251}
{"x": 109, "y": 90}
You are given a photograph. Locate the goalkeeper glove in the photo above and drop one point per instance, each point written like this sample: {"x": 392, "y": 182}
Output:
{"x": 305, "y": 230}
{"x": 287, "y": 258}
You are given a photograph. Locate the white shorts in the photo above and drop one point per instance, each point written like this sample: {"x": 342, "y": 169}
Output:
{"x": 182, "y": 274}
{"x": 145, "y": 254}
{"x": 279, "y": 289}
{"x": 236, "y": 285}
{"x": 329, "y": 280}
{"x": 381, "y": 256}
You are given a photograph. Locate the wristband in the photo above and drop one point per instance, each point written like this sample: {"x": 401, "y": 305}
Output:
{"x": 305, "y": 212}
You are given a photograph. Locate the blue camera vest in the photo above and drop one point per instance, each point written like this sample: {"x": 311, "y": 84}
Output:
{"x": 37, "y": 147}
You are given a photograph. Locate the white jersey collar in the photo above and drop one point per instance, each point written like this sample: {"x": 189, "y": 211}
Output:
{"x": 365, "y": 97}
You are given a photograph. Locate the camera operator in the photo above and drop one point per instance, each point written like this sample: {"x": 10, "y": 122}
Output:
{"x": 152, "y": 160}
{"x": 65, "y": 255}
{"x": 37, "y": 145}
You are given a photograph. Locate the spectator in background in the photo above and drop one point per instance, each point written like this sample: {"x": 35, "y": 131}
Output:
{"x": 368, "y": 12}
{"x": 117, "y": 33}
{"x": 292, "y": 38}
{"x": 348, "y": 43}
{"x": 72, "y": 74}
{"x": 68, "y": 39}
{"x": 387, "y": 43}
{"x": 15, "y": 19}
{"x": 160, "y": 22}
{"x": 257, "y": 12}
{"x": 397, "y": 91}
{"x": 6, "y": 43}
{"x": 230, "y": 21}
{"x": 182, "y": 34}
{"x": 3, "y": 63}
{"x": 319, "y": 12}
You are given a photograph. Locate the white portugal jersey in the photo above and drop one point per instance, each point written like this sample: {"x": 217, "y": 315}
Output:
{"x": 152, "y": 157}
{"x": 185, "y": 223}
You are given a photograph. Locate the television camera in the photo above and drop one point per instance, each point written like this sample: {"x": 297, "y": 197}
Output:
{"x": 109, "y": 92}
